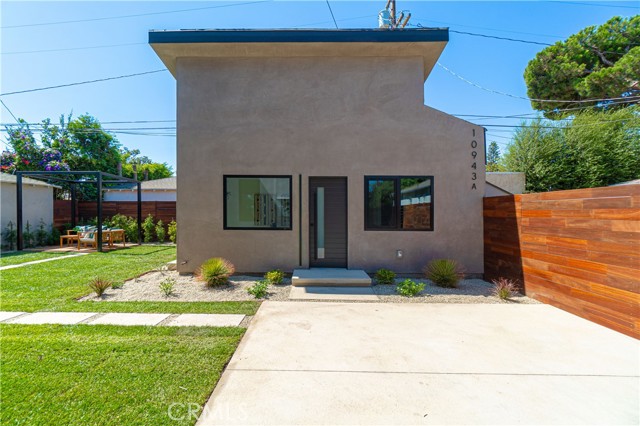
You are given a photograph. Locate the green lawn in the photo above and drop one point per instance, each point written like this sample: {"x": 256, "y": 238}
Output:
{"x": 16, "y": 257}
{"x": 99, "y": 375}
{"x": 55, "y": 286}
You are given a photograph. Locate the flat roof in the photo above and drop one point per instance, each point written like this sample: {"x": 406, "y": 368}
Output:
{"x": 366, "y": 35}
{"x": 427, "y": 43}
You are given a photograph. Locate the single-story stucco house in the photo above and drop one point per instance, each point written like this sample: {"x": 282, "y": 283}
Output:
{"x": 37, "y": 202}
{"x": 314, "y": 148}
{"x": 152, "y": 190}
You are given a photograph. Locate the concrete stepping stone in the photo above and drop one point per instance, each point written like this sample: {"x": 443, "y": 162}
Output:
{"x": 65, "y": 318}
{"x": 5, "y": 315}
{"x": 130, "y": 319}
{"x": 333, "y": 293}
{"x": 206, "y": 320}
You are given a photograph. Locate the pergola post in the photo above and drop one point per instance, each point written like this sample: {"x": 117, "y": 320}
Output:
{"x": 19, "y": 242}
{"x": 73, "y": 205}
{"x": 139, "y": 186}
{"x": 99, "y": 185}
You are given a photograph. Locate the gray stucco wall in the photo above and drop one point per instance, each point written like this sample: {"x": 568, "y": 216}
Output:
{"x": 37, "y": 204}
{"x": 321, "y": 117}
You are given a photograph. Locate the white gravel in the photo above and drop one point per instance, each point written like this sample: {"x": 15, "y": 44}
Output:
{"x": 189, "y": 289}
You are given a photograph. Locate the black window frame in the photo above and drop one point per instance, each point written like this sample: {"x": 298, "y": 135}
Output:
{"x": 397, "y": 213}
{"x": 244, "y": 228}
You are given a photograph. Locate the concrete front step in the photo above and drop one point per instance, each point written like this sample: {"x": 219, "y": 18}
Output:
{"x": 330, "y": 277}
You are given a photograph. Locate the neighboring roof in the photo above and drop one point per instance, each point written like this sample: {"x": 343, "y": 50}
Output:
{"x": 8, "y": 178}
{"x": 631, "y": 182}
{"x": 425, "y": 42}
{"x": 166, "y": 184}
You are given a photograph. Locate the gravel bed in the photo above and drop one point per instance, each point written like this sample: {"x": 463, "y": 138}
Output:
{"x": 189, "y": 289}
{"x": 468, "y": 291}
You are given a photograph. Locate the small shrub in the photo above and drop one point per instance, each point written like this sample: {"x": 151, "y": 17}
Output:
{"x": 120, "y": 221}
{"x": 131, "y": 230}
{"x": 160, "y": 232}
{"x": 274, "y": 276}
{"x": 27, "y": 236}
{"x": 409, "y": 288}
{"x": 147, "y": 229}
{"x": 504, "y": 288}
{"x": 167, "y": 286}
{"x": 99, "y": 285}
{"x": 173, "y": 231}
{"x": 41, "y": 234}
{"x": 259, "y": 289}
{"x": 116, "y": 285}
{"x": 444, "y": 272}
{"x": 10, "y": 236}
{"x": 385, "y": 276}
{"x": 216, "y": 271}
{"x": 54, "y": 235}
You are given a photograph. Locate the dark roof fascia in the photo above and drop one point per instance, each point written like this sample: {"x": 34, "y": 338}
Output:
{"x": 300, "y": 36}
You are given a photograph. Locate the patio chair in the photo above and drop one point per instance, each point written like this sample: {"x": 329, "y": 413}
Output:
{"x": 87, "y": 238}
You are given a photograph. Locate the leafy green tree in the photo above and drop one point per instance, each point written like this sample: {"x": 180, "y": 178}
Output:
{"x": 493, "y": 158}
{"x": 131, "y": 157}
{"x": 597, "y": 148}
{"x": 598, "y": 62}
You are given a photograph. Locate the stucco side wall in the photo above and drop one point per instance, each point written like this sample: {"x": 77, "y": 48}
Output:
{"x": 321, "y": 117}
{"x": 37, "y": 204}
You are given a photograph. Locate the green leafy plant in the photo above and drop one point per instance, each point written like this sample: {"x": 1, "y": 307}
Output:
{"x": 409, "y": 288}
{"x": 216, "y": 271}
{"x": 173, "y": 231}
{"x": 131, "y": 230}
{"x": 120, "y": 221}
{"x": 385, "y": 276}
{"x": 116, "y": 285}
{"x": 274, "y": 276}
{"x": 148, "y": 228}
{"x": 444, "y": 272}
{"x": 160, "y": 232}
{"x": 27, "y": 236}
{"x": 99, "y": 285}
{"x": 41, "y": 234}
{"x": 54, "y": 235}
{"x": 10, "y": 236}
{"x": 504, "y": 288}
{"x": 259, "y": 289}
{"x": 167, "y": 286}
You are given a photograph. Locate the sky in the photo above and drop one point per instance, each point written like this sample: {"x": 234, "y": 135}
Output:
{"x": 39, "y": 48}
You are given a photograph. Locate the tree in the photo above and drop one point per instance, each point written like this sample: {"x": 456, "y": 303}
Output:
{"x": 597, "y": 148}
{"x": 74, "y": 144}
{"x": 493, "y": 158}
{"x": 598, "y": 62}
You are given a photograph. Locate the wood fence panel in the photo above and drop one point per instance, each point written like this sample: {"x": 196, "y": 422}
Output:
{"x": 86, "y": 210}
{"x": 578, "y": 250}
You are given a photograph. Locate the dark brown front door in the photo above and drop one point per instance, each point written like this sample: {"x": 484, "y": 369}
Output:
{"x": 328, "y": 222}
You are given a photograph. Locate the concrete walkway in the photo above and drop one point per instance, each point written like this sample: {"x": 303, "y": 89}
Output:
{"x": 114, "y": 318}
{"x": 380, "y": 363}
{"x": 33, "y": 262}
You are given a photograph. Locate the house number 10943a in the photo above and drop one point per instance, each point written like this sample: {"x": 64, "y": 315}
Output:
{"x": 474, "y": 164}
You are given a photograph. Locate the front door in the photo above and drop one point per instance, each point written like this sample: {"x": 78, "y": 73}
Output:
{"x": 328, "y": 222}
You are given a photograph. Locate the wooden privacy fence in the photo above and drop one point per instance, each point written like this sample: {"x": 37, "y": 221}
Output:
{"x": 86, "y": 210}
{"x": 578, "y": 250}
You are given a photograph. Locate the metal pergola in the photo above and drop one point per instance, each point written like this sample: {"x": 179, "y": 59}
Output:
{"x": 75, "y": 178}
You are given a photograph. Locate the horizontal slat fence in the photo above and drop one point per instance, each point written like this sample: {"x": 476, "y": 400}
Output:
{"x": 86, "y": 210}
{"x": 578, "y": 250}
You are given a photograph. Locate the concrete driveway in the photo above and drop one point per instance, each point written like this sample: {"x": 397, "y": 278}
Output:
{"x": 379, "y": 363}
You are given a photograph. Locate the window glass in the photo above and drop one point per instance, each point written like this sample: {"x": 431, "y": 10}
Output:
{"x": 258, "y": 202}
{"x": 399, "y": 203}
{"x": 415, "y": 203}
{"x": 381, "y": 199}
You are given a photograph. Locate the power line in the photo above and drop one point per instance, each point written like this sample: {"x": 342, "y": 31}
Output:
{"x": 626, "y": 98}
{"x": 82, "y": 82}
{"x": 332, "y": 16}
{"x": 501, "y": 38}
{"x": 7, "y": 108}
{"x": 73, "y": 48}
{"x": 595, "y": 4}
{"x": 132, "y": 16}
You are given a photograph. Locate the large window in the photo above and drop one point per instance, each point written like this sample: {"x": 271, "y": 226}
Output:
{"x": 399, "y": 203}
{"x": 257, "y": 202}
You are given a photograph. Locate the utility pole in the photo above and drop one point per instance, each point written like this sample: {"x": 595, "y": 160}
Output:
{"x": 389, "y": 18}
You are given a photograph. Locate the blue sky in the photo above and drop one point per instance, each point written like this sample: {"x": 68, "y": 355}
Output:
{"x": 491, "y": 63}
